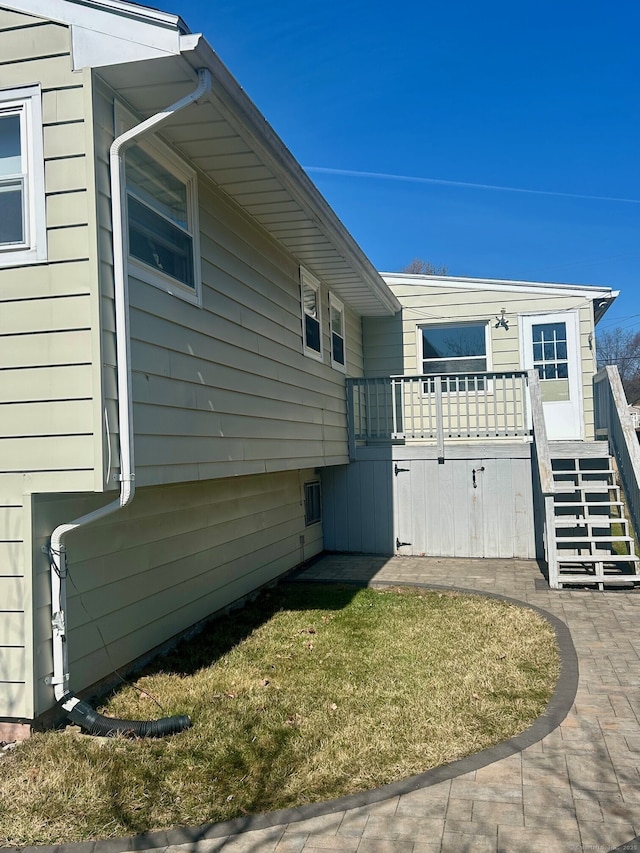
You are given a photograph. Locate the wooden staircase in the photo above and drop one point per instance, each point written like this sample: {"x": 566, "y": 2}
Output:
{"x": 594, "y": 544}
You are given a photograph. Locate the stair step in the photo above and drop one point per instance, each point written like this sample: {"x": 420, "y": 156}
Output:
{"x": 590, "y": 521}
{"x": 598, "y": 558}
{"x": 584, "y": 472}
{"x": 588, "y": 507}
{"x": 579, "y": 450}
{"x": 587, "y": 504}
{"x": 580, "y": 482}
{"x": 564, "y": 488}
{"x": 613, "y": 580}
{"x": 596, "y": 488}
{"x": 605, "y": 538}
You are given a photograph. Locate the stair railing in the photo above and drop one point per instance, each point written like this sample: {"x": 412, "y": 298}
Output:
{"x": 613, "y": 421}
{"x": 544, "y": 485}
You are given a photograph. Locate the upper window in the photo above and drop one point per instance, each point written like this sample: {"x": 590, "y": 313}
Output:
{"x": 455, "y": 349}
{"x": 336, "y": 318}
{"x": 312, "y": 320}
{"x": 22, "y": 205}
{"x": 162, "y": 221}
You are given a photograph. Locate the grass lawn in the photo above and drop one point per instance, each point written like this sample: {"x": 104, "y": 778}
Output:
{"x": 309, "y": 693}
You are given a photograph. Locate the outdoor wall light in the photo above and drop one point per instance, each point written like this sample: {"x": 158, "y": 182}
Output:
{"x": 502, "y": 321}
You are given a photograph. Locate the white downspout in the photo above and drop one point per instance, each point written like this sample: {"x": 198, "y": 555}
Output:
{"x": 57, "y": 549}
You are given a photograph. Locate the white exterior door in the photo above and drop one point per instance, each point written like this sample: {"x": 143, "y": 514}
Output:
{"x": 550, "y": 344}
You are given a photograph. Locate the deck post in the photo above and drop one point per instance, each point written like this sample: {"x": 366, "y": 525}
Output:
{"x": 437, "y": 383}
{"x": 550, "y": 542}
{"x": 350, "y": 389}
{"x": 394, "y": 408}
{"x": 545, "y": 475}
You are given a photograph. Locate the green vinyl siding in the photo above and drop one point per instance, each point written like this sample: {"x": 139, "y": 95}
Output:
{"x": 16, "y": 647}
{"x": 48, "y": 311}
{"x": 48, "y": 317}
{"x": 223, "y": 388}
{"x": 175, "y": 556}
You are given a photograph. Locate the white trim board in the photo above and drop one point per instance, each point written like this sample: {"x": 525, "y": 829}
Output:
{"x": 588, "y": 291}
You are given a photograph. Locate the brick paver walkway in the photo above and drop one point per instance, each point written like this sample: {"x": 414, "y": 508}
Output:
{"x": 578, "y": 789}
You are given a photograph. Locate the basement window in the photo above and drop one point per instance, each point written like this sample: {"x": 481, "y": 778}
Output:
{"x": 23, "y": 236}
{"x": 312, "y": 503}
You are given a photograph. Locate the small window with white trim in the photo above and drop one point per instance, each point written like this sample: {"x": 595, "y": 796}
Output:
{"x": 23, "y": 234}
{"x": 312, "y": 503}
{"x": 336, "y": 324}
{"x": 311, "y": 315}
{"x": 162, "y": 215}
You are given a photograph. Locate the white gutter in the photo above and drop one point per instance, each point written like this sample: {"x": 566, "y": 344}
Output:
{"x": 57, "y": 549}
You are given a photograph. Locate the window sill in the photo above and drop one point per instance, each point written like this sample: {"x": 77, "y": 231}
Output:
{"x": 314, "y": 354}
{"x": 22, "y": 257}
{"x": 142, "y": 272}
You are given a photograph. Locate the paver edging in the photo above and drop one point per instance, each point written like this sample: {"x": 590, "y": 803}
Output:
{"x": 557, "y": 709}
{"x": 632, "y": 846}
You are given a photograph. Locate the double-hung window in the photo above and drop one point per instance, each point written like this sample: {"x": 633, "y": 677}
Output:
{"x": 22, "y": 203}
{"x": 458, "y": 352}
{"x": 311, "y": 315}
{"x": 336, "y": 318}
{"x": 162, "y": 217}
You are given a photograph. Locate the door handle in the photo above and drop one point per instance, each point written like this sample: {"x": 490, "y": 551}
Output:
{"x": 473, "y": 475}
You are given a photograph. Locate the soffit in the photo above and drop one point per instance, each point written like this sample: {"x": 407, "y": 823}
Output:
{"x": 229, "y": 140}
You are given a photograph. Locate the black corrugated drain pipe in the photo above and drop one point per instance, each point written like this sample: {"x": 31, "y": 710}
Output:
{"x": 83, "y": 715}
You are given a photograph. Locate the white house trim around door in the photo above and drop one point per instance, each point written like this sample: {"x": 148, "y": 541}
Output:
{"x": 550, "y": 343}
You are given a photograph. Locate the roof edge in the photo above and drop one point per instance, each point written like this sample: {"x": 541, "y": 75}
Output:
{"x": 53, "y": 9}
{"x": 589, "y": 290}
{"x": 240, "y": 109}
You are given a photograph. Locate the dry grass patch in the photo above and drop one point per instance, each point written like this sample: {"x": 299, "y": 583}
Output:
{"x": 310, "y": 693}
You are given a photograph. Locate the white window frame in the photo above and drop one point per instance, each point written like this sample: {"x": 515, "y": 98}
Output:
{"x": 457, "y": 325}
{"x": 174, "y": 164}
{"x": 26, "y": 101}
{"x": 337, "y": 305}
{"x": 308, "y": 280}
{"x": 312, "y": 500}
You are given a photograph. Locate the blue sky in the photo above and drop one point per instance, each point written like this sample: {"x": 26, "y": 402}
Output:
{"x": 500, "y": 139}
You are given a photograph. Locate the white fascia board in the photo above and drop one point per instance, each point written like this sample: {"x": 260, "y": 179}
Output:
{"x": 587, "y": 291}
{"x": 106, "y": 32}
